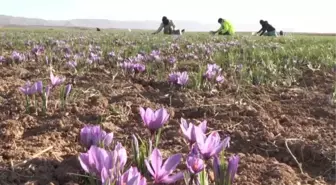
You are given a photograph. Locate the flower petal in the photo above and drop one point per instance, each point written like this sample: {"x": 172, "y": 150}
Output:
{"x": 173, "y": 178}
{"x": 122, "y": 155}
{"x": 160, "y": 117}
{"x": 184, "y": 123}
{"x": 170, "y": 165}
{"x": 203, "y": 126}
{"x": 84, "y": 162}
{"x": 156, "y": 161}
{"x": 143, "y": 115}
{"x": 108, "y": 139}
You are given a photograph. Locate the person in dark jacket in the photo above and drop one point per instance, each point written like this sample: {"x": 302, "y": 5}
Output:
{"x": 266, "y": 29}
{"x": 168, "y": 27}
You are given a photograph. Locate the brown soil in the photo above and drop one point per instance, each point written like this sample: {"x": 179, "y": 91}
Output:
{"x": 260, "y": 121}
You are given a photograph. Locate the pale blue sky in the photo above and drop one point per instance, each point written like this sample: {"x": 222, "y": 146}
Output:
{"x": 288, "y": 15}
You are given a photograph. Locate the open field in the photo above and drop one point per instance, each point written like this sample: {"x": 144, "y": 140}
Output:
{"x": 274, "y": 97}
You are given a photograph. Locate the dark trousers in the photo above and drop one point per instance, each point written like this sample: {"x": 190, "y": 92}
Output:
{"x": 226, "y": 33}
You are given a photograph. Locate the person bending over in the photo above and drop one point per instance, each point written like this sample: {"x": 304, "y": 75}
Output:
{"x": 266, "y": 29}
{"x": 168, "y": 27}
{"x": 226, "y": 28}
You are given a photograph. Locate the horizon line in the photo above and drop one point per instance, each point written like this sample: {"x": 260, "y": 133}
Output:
{"x": 198, "y": 22}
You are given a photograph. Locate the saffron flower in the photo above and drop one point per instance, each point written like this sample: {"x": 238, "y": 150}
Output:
{"x": 132, "y": 177}
{"x": 189, "y": 130}
{"x": 162, "y": 173}
{"x": 38, "y": 87}
{"x": 212, "y": 145}
{"x": 26, "y": 89}
{"x": 94, "y": 135}
{"x": 179, "y": 78}
{"x": 30, "y": 89}
{"x": 67, "y": 90}
{"x": 55, "y": 80}
{"x": 95, "y": 159}
{"x": 154, "y": 120}
{"x": 18, "y": 57}
{"x": 195, "y": 164}
{"x": 172, "y": 60}
{"x": 72, "y": 64}
{"x": 232, "y": 168}
{"x": 224, "y": 174}
{"x": 183, "y": 78}
{"x": 111, "y": 172}
{"x": 220, "y": 79}
{"x": 213, "y": 70}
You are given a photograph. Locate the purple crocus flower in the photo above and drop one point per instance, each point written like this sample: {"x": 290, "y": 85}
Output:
{"x": 67, "y": 90}
{"x": 94, "y": 57}
{"x": 27, "y": 89}
{"x": 67, "y": 56}
{"x": 38, "y": 87}
{"x": 140, "y": 57}
{"x": 55, "y": 80}
{"x": 178, "y": 78}
{"x": 128, "y": 66}
{"x": 172, "y": 60}
{"x": 183, "y": 78}
{"x": 132, "y": 177}
{"x": 72, "y": 64}
{"x": 209, "y": 74}
{"x": 155, "y": 54}
{"x": 94, "y": 135}
{"x": 220, "y": 79}
{"x": 47, "y": 91}
{"x": 121, "y": 154}
{"x": 232, "y": 168}
{"x": 17, "y": 56}
{"x": 38, "y": 50}
{"x": 95, "y": 160}
{"x": 139, "y": 67}
{"x": 115, "y": 165}
{"x": 161, "y": 173}
{"x": 212, "y": 145}
{"x": 225, "y": 174}
{"x": 195, "y": 164}
{"x": 154, "y": 119}
{"x": 189, "y": 130}
{"x": 172, "y": 78}
{"x": 212, "y": 71}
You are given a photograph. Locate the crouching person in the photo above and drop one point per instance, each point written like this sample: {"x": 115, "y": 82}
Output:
{"x": 266, "y": 29}
{"x": 226, "y": 28}
{"x": 168, "y": 27}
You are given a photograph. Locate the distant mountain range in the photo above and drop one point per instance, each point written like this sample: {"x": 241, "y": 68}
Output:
{"x": 100, "y": 23}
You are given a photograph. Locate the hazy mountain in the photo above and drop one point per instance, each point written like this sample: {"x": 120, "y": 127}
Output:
{"x": 100, "y": 23}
